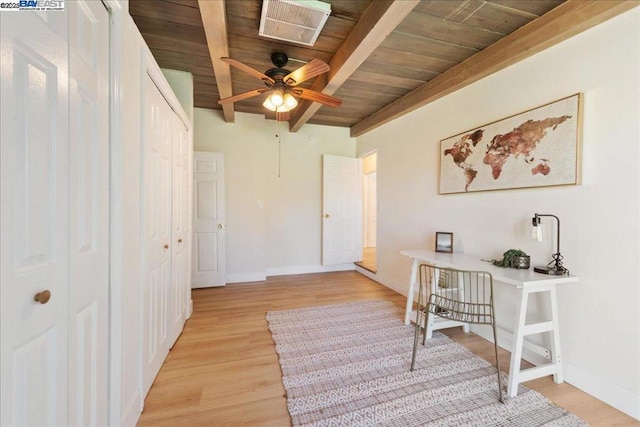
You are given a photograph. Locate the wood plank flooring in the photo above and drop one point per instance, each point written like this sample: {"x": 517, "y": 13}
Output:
{"x": 369, "y": 259}
{"x": 223, "y": 370}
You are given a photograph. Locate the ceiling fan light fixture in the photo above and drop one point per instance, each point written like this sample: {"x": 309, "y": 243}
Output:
{"x": 277, "y": 98}
{"x": 279, "y": 102}
{"x": 289, "y": 101}
{"x": 268, "y": 105}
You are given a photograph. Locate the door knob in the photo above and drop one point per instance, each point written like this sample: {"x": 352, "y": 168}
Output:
{"x": 326, "y": 215}
{"x": 166, "y": 246}
{"x": 42, "y": 297}
{"x": 179, "y": 240}
{"x": 220, "y": 226}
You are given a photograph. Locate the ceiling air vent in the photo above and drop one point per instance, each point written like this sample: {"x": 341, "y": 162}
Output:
{"x": 295, "y": 21}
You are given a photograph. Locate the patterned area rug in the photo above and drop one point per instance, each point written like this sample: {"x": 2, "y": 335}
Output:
{"x": 348, "y": 365}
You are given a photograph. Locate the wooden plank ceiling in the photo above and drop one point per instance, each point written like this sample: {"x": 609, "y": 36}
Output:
{"x": 422, "y": 52}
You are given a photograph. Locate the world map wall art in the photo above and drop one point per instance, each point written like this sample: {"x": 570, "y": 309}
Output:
{"x": 536, "y": 148}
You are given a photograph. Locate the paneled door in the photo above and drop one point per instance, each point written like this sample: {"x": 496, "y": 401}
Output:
{"x": 34, "y": 203}
{"x": 180, "y": 237}
{"x": 54, "y": 216}
{"x": 209, "y": 230}
{"x": 89, "y": 213}
{"x": 342, "y": 210}
{"x": 156, "y": 230}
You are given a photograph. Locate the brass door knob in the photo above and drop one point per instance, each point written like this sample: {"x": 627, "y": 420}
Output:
{"x": 326, "y": 215}
{"x": 42, "y": 297}
{"x": 166, "y": 246}
{"x": 220, "y": 226}
{"x": 179, "y": 240}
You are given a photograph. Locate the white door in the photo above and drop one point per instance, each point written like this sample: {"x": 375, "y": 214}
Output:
{"x": 156, "y": 230}
{"x": 209, "y": 230}
{"x": 342, "y": 210}
{"x": 89, "y": 213}
{"x": 180, "y": 238}
{"x": 34, "y": 209}
{"x": 371, "y": 209}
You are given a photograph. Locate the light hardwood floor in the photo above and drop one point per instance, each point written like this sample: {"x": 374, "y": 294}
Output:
{"x": 369, "y": 259}
{"x": 223, "y": 370}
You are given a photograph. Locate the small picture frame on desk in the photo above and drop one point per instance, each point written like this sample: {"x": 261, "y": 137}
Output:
{"x": 444, "y": 242}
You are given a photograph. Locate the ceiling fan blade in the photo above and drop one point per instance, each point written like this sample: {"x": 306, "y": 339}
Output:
{"x": 314, "y": 68}
{"x": 252, "y": 72}
{"x": 241, "y": 96}
{"x": 282, "y": 116}
{"x": 314, "y": 96}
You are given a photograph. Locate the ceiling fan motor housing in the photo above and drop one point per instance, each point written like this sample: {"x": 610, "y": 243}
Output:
{"x": 279, "y": 59}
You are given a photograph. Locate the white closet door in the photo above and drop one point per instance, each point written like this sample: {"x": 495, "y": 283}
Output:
{"x": 180, "y": 238}
{"x": 89, "y": 213}
{"x": 156, "y": 229}
{"x": 34, "y": 218}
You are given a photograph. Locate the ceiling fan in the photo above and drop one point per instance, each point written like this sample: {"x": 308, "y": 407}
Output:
{"x": 282, "y": 85}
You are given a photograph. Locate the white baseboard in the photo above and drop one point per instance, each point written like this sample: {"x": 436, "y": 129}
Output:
{"x": 131, "y": 414}
{"x": 603, "y": 389}
{"x": 258, "y": 276}
{"x": 217, "y": 285}
{"x": 189, "y": 309}
{"x": 285, "y": 271}
{"x": 305, "y": 269}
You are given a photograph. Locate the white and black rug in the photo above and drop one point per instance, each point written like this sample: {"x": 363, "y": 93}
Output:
{"x": 348, "y": 365}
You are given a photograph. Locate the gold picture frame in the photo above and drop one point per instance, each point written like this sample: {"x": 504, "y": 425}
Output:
{"x": 536, "y": 148}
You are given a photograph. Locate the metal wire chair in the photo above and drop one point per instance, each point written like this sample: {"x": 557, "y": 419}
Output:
{"x": 458, "y": 297}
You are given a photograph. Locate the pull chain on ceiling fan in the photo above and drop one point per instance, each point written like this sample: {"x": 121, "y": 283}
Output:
{"x": 282, "y": 85}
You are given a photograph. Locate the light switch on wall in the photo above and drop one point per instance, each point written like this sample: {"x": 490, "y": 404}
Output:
{"x": 259, "y": 204}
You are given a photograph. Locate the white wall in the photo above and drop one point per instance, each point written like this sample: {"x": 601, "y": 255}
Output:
{"x": 273, "y": 222}
{"x": 600, "y": 218}
{"x": 181, "y": 83}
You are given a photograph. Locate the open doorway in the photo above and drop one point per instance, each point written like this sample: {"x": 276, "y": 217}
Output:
{"x": 369, "y": 212}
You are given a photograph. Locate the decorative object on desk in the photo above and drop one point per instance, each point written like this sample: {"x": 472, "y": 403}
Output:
{"x": 514, "y": 258}
{"x": 444, "y": 242}
{"x": 554, "y": 267}
{"x": 536, "y": 148}
{"x": 347, "y": 365}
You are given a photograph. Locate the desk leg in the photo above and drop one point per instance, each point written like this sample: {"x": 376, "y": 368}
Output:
{"x": 516, "y": 348}
{"x": 412, "y": 288}
{"x": 555, "y": 342}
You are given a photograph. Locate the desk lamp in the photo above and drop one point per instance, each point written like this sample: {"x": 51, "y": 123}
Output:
{"x": 555, "y": 267}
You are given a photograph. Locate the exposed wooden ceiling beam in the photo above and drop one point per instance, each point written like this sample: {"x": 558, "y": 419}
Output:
{"x": 380, "y": 19}
{"x": 214, "y": 19}
{"x": 566, "y": 20}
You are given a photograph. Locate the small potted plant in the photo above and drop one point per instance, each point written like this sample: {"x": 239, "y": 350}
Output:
{"x": 514, "y": 258}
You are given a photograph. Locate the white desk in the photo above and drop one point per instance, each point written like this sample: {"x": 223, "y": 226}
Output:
{"x": 526, "y": 282}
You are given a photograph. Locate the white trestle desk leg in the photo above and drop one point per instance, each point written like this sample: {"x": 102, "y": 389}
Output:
{"x": 413, "y": 282}
{"x": 555, "y": 342}
{"x": 516, "y": 349}
{"x": 429, "y": 332}
{"x": 465, "y": 326}
{"x": 430, "y": 317}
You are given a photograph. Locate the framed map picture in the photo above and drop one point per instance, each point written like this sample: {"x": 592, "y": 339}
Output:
{"x": 536, "y": 148}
